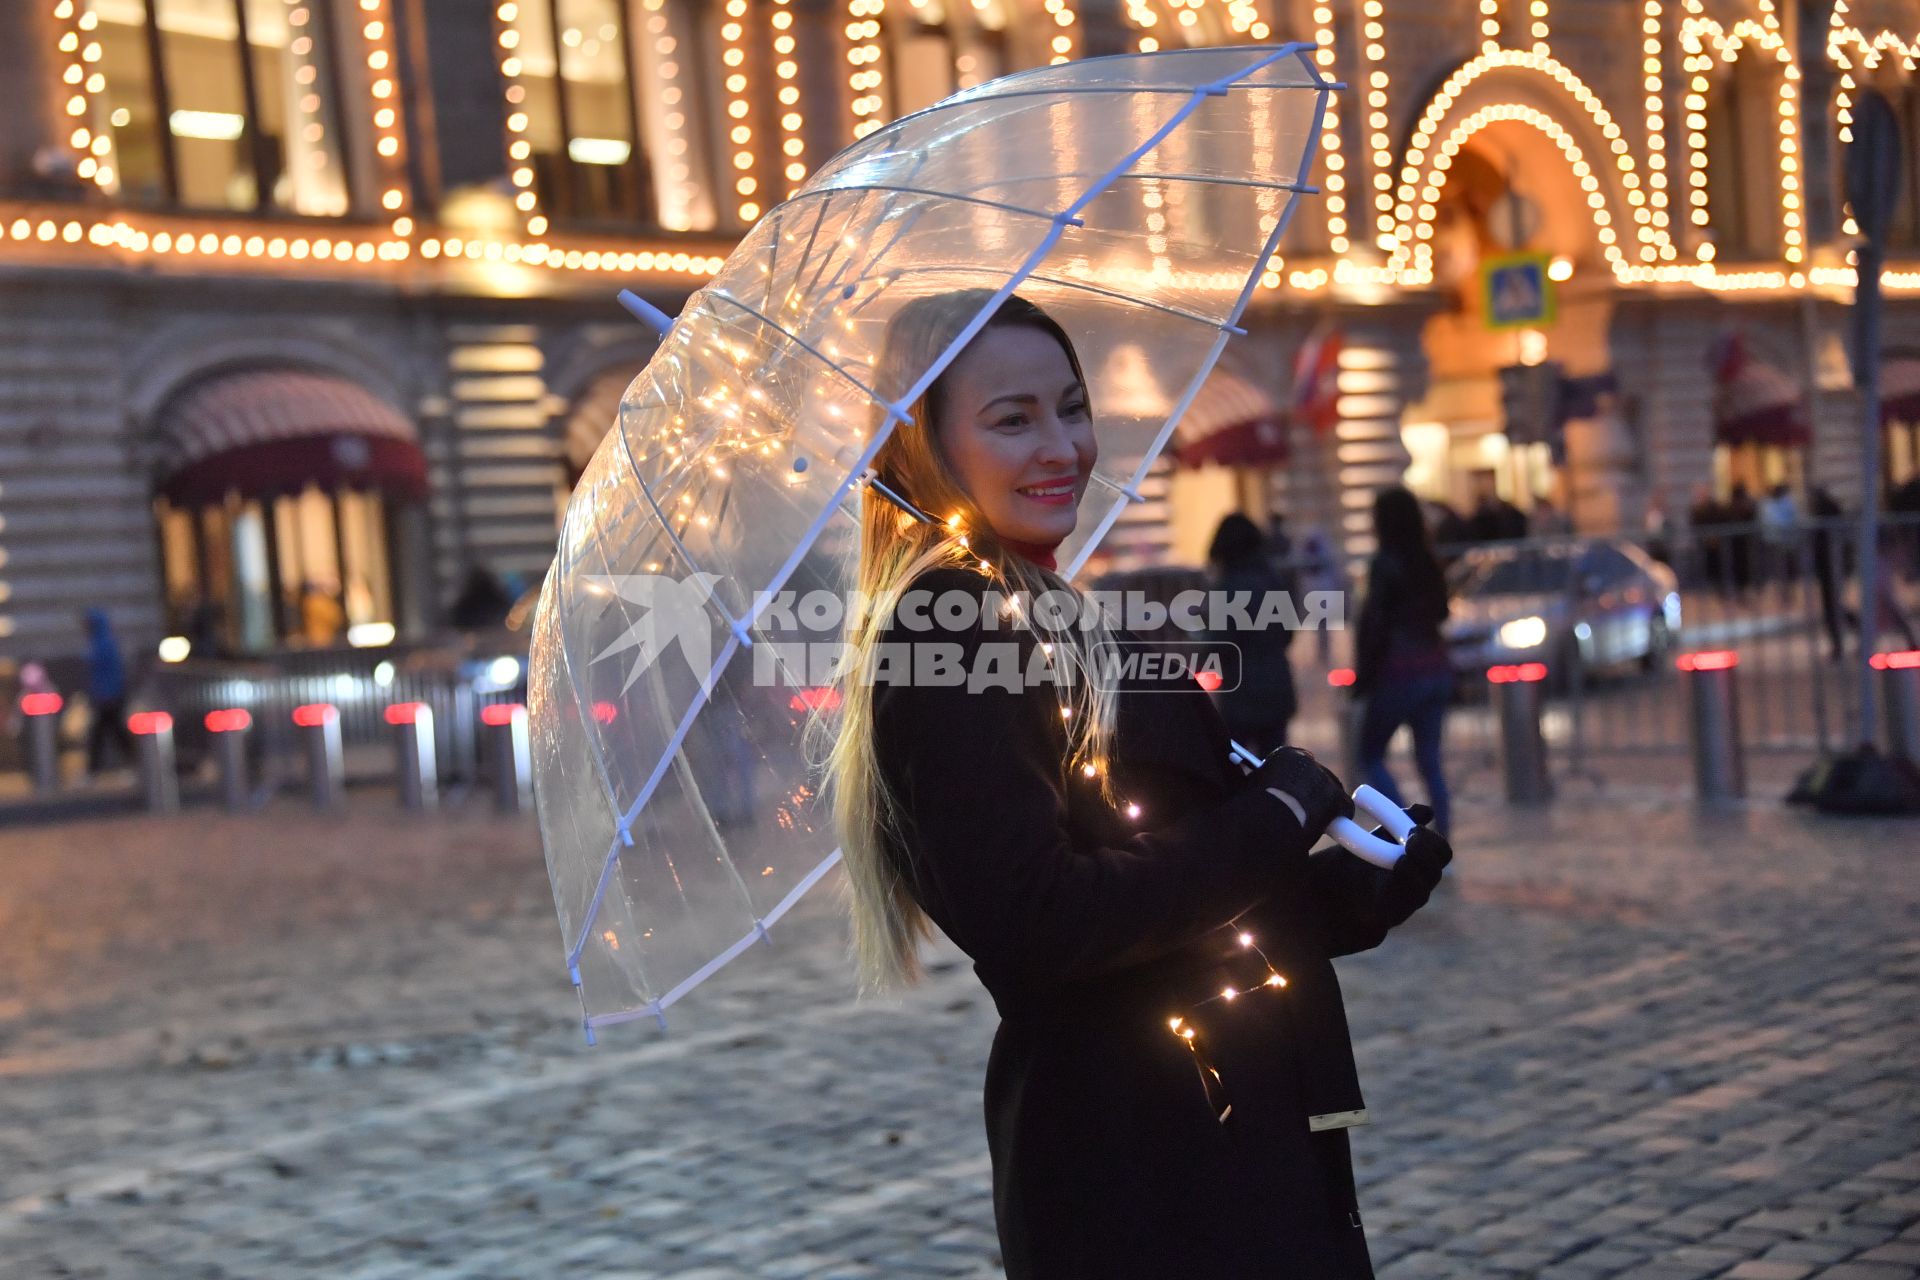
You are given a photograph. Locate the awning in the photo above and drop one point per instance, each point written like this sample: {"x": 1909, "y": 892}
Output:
{"x": 270, "y": 432}
{"x": 1900, "y": 386}
{"x": 1754, "y": 402}
{"x": 593, "y": 414}
{"x": 1231, "y": 423}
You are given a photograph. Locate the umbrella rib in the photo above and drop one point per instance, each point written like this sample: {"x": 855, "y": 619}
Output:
{"x": 894, "y": 189}
{"x": 1132, "y": 491}
{"x": 758, "y": 933}
{"x": 802, "y": 343}
{"x": 1068, "y": 283}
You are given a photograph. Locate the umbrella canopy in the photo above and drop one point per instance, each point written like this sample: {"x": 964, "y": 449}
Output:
{"x": 1137, "y": 199}
{"x": 1754, "y": 402}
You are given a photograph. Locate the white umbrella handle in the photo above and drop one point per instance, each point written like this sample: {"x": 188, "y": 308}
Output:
{"x": 1351, "y": 835}
{"x": 1363, "y": 843}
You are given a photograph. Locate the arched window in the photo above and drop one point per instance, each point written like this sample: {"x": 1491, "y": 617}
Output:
{"x": 222, "y": 104}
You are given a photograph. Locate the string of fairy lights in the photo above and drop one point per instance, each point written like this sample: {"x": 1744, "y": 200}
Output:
{"x": 765, "y": 157}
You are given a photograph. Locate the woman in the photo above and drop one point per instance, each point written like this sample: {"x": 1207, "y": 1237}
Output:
{"x": 1256, "y": 710}
{"x": 1401, "y": 667}
{"x": 1100, "y": 860}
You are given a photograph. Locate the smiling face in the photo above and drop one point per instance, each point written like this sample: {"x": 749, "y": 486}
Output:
{"x": 1015, "y": 426}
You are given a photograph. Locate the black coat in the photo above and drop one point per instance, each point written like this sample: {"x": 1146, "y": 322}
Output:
{"x": 1091, "y": 930}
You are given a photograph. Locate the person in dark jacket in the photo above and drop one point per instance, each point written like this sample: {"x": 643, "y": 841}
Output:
{"x": 1257, "y": 708}
{"x": 106, "y": 691}
{"x": 1401, "y": 667}
{"x": 1171, "y": 1083}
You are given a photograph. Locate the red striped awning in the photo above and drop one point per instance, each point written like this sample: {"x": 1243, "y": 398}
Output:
{"x": 1232, "y": 422}
{"x": 1754, "y": 402}
{"x": 269, "y": 432}
{"x": 1900, "y": 386}
{"x": 593, "y": 415}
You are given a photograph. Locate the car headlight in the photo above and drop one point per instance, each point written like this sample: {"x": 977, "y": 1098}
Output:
{"x": 1524, "y": 633}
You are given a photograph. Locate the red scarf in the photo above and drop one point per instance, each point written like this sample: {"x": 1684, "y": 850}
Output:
{"x": 1038, "y": 552}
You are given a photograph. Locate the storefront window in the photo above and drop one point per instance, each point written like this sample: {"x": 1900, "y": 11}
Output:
{"x": 223, "y": 104}
{"x": 252, "y": 575}
{"x": 582, "y": 118}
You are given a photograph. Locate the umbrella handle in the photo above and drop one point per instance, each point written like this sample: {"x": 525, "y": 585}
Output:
{"x": 1349, "y": 834}
{"x": 1363, "y": 843}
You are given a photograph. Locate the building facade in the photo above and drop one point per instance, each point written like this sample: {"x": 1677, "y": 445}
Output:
{"x": 308, "y": 304}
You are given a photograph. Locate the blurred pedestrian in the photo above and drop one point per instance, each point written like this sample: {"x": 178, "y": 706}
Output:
{"x": 1705, "y": 517}
{"x": 1547, "y": 520}
{"x": 1319, "y": 570}
{"x": 106, "y": 691}
{"x": 1829, "y": 564}
{"x": 1258, "y": 708}
{"x": 482, "y": 603}
{"x": 1741, "y": 516}
{"x": 1401, "y": 667}
{"x": 1779, "y": 531}
{"x": 1494, "y": 519}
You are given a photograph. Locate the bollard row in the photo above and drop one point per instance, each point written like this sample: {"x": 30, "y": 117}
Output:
{"x": 318, "y": 728}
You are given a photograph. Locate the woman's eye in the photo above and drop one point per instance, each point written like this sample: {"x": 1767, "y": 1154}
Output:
{"x": 1078, "y": 409}
{"x": 1012, "y": 420}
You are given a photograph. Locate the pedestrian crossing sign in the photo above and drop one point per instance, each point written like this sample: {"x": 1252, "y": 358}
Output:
{"x": 1517, "y": 291}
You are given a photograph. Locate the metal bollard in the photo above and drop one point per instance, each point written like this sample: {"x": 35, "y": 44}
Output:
{"x": 1719, "y": 771}
{"x": 1350, "y": 712}
{"x": 319, "y": 724}
{"x": 229, "y": 727}
{"x": 512, "y": 755}
{"x": 159, "y": 778}
{"x": 418, "y": 766}
{"x": 42, "y": 711}
{"x": 1900, "y": 695}
{"x": 1523, "y": 749}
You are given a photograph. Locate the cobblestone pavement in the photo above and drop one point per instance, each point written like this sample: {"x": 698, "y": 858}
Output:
{"x": 1628, "y": 1040}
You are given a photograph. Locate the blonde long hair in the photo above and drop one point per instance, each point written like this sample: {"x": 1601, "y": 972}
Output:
{"x": 895, "y": 549}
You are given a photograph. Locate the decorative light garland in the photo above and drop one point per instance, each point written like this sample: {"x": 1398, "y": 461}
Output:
{"x": 1697, "y": 33}
{"x": 786, "y": 70}
{"x": 526, "y": 197}
{"x": 733, "y": 59}
{"x": 1210, "y": 1077}
{"x": 1538, "y": 28}
{"x": 1840, "y": 36}
{"x": 675, "y": 213}
{"x": 82, "y": 81}
{"x": 1489, "y": 25}
{"x": 1335, "y": 186}
{"x": 1373, "y": 59}
{"x": 1405, "y": 207}
{"x": 1654, "y": 82}
{"x": 863, "y": 56}
{"x": 1418, "y": 252}
{"x": 377, "y": 30}
{"x": 1061, "y": 45}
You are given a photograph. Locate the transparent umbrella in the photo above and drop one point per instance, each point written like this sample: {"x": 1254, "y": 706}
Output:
{"x": 1137, "y": 199}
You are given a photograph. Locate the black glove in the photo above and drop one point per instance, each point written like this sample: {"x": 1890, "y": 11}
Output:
{"x": 1415, "y": 876}
{"x": 1312, "y": 795}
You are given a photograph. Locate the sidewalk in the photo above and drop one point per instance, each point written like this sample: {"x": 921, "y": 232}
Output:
{"x": 1627, "y": 1041}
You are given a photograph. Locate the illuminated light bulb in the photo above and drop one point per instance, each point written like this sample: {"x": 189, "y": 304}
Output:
{"x": 1246, "y": 939}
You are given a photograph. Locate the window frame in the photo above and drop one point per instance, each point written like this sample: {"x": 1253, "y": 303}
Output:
{"x": 256, "y": 151}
